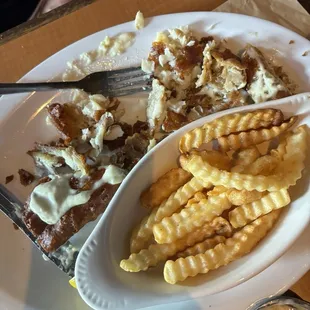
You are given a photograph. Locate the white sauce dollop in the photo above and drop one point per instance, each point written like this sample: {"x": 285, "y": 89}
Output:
{"x": 51, "y": 200}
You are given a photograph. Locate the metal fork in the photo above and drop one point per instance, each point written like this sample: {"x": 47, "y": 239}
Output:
{"x": 114, "y": 83}
{"x": 11, "y": 207}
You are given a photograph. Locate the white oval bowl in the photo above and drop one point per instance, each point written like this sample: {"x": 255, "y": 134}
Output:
{"x": 104, "y": 285}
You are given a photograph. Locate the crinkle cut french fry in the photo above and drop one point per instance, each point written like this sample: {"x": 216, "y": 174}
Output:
{"x": 188, "y": 219}
{"x": 215, "y": 158}
{"x": 295, "y": 153}
{"x": 263, "y": 165}
{"x": 247, "y": 213}
{"x": 143, "y": 233}
{"x": 238, "y": 198}
{"x": 280, "y": 150}
{"x": 228, "y": 124}
{"x": 197, "y": 197}
{"x": 286, "y": 174}
{"x": 246, "y": 156}
{"x": 241, "y": 243}
{"x": 217, "y": 190}
{"x": 160, "y": 190}
{"x": 202, "y": 247}
{"x": 222, "y": 227}
{"x": 156, "y": 253}
{"x": 243, "y": 160}
{"x": 252, "y": 137}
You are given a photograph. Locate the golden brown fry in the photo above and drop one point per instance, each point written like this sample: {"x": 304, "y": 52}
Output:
{"x": 246, "y": 157}
{"x": 228, "y": 124}
{"x": 252, "y": 137}
{"x": 156, "y": 253}
{"x": 188, "y": 219}
{"x": 263, "y": 165}
{"x": 243, "y": 196}
{"x": 215, "y": 158}
{"x": 222, "y": 227}
{"x": 143, "y": 233}
{"x": 197, "y": 197}
{"x": 164, "y": 187}
{"x": 280, "y": 151}
{"x": 217, "y": 190}
{"x": 241, "y": 243}
{"x": 245, "y": 214}
{"x": 285, "y": 175}
{"x": 243, "y": 158}
{"x": 295, "y": 154}
{"x": 202, "y": 247}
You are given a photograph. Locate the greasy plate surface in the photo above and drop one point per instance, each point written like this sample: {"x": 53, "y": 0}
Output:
{"x": 22, "y": 121}
{"x": 106, "y": 285}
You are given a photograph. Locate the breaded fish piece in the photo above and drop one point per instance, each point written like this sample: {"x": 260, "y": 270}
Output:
{"x": 263, "y": 84}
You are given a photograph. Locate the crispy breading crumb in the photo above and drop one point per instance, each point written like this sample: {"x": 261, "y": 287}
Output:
{"x": 26, "y": 178}
{"x": 9, "y": 178}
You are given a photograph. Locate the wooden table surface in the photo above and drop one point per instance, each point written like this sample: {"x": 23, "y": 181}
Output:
{"x": 37, "y": 40}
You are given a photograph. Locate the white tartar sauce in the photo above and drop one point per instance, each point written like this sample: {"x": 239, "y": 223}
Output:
{"x": 51, "y": 200}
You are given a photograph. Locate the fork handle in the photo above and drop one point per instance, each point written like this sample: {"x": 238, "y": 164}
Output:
{"x": 14, "y": 88}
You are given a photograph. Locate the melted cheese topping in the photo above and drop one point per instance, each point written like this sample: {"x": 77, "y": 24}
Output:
{"x": 51, "y": 200}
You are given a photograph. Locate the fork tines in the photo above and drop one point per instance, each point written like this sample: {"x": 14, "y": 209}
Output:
{"x": 128, "y": 81}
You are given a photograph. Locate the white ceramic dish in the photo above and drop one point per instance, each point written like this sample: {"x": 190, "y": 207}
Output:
{"x": 103, "y": 284}
{"x": 22, "y": 121}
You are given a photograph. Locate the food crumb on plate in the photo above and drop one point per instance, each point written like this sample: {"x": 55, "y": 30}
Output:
{"x": 113, "y": 46}
{"x": 139, "y": 20}
{"x": 9, "y": 178}
{"x": 25, "y": 177}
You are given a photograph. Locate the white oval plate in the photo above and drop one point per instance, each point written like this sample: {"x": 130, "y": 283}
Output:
{"x": 22, "y": 121}
{"x": 103, "y": 284}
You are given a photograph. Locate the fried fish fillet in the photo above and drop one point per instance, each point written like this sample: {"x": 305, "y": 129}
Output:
{"x": 73, "y": 220}
{"x": 68, "y": 119}
{"x": 263, "y": 84}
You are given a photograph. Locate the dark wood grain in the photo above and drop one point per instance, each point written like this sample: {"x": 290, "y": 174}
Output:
{"x": 62, "y": 11}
